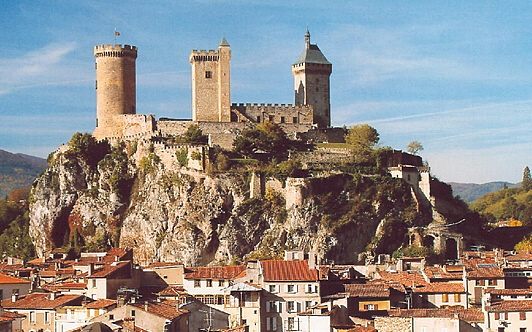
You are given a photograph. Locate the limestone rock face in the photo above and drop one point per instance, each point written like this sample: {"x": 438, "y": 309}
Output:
{"x": 168, "y": 212}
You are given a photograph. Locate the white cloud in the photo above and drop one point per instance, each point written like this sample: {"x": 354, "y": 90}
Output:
{"x": 41, "y": 67}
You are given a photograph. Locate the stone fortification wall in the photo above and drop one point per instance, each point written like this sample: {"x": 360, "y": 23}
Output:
{"x": 322, "y": 157}
{"x": 393, "y": 324}
{"x": 276, "y": 113}
{"x": 197, "y": 155}
{"x": 324, "y": 135}
{"x": 127, "y": 127}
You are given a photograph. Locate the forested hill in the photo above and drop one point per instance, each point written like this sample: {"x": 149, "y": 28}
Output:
{"x": 469, "y": 192}
{"x": 18, "y": 170}
{"x": 506, "y": 204}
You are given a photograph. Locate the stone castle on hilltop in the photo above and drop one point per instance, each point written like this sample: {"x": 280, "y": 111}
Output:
{"x": 212, "y": 110}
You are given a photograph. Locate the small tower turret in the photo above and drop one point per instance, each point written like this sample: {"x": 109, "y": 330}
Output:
{"x": 311, "y": 73}
{"x": 115, "y": 86}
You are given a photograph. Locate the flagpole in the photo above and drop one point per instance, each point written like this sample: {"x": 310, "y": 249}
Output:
{"x": 115, "y": 36}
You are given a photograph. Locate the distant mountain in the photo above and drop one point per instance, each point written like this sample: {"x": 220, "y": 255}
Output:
{"x": 471, "y": 191}
{"x": 18, "y": 170}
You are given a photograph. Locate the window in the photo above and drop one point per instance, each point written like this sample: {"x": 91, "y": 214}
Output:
{"x": 505, "y": 316}
{"x": 208, "y": 74}
{"x": 282, "y": 119}
{"x": 197, "y": 283}
{"x": 32, "y": 316}
{"x": 258, "y": 118}
{"x": 497, "y": 316}
{"x": 457, "y": 298}
{"x": 370, "y": 307}
{"x": 271, "y": 323}
{"x": 479, "y": 282}
{"x": 221, "y": 282}
{"x": 291, "y": 289}
{"x": 209, "y": 282}
{"x": 445, "y": 298}
{"x": 500, "y": 329}
{"x": 290, "y": 306}
{"x": 132, "y": 313}
{"x": 492, "y": 282}
{"x": 1, "y": 294}
{"x": 522, "y": 315}
{"x": 209, "y": 299}
{"x": 272, "y": 288}
{"x": 294, "y": 119}
{"x": 273, "y": 306}
{"x": 220, "y": 299}
{"x": 291, "y": 324}
{"x": 96, "y": 85}
{"x": 93, "y": 282}
{"x": 522, "y": 329}
{"x": 111, "y": 317}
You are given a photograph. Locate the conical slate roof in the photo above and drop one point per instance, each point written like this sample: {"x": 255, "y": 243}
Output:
{"x": 312, "y": 54}
{"x": 224, "y": 42}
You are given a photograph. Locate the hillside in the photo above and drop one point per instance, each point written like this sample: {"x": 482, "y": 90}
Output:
{"x": 469, "y": 192}
{"x": 506, "y": 204}
{"x": 18, "y": 170}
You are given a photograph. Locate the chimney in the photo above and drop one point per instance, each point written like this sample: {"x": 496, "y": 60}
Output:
{"x": 91, "y": 269}
{"x": 146, "y": 306}
{"x": 52, "y": 296}
{"x": 14, "y": 297}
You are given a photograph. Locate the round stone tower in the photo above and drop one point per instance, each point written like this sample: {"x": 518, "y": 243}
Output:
{"x": 115, "y": 87}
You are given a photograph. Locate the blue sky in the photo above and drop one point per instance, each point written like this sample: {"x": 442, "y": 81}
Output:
{"x": 455, "y": 75}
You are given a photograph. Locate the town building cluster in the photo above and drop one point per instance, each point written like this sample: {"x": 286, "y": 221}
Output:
{"x": 106, "y": 291}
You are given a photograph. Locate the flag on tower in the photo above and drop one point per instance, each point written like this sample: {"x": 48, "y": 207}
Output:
{"x": 117, "y": 33}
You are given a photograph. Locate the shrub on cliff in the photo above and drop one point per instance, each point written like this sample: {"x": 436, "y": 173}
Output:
{"x": 88, "y": 148}
{"x": 266, "y": 140}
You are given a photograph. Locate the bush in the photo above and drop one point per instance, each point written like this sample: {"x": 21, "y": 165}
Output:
{"x": 182, "y": 156}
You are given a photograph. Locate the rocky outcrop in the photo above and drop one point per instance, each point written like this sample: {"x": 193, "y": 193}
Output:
{"x": 130, "y": 197}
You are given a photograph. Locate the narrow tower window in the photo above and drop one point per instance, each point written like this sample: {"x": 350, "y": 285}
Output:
{"x": 208, "y": 74}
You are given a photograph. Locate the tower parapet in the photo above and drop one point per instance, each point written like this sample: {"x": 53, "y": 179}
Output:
{"x": 115, "y": 87}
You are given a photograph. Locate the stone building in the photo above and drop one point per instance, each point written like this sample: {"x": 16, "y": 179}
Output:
{"x": 311, "y": 82}
{"x": 115, "y": 87}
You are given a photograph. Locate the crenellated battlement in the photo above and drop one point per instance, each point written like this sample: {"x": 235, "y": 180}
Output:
{"x": 265, "y": 107}
{"x": 204, "y": 55}
{"x": 115, "y": 51}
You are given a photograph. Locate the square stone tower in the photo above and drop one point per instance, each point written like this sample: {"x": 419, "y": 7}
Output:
{"x": 311, "y": 82}
{"x": 211, "y": 84}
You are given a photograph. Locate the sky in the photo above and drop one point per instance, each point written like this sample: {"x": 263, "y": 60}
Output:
{"x": 453, "y": 75}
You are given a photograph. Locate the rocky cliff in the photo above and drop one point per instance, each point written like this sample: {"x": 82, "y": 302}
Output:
{"x": 93, "y": 196}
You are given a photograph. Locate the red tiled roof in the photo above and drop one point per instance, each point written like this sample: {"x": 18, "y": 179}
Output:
{"x": 405, "y": 278}
{"x": 469, "y": 315}
{"x": 165, "y": 309}
{"x": 280, "y": 270}
{"x": 65, "y": 286}
{"x": 522, "y": 256}
{"x": 516, "y": 291}
{"x": 100, "y": 304}
{"x": 214, "y": 272}
{"x": 362, "y": 329}
{"x": 40, "y": 301}
{"x": 485, "y": 273}
{"x": 510, "y": 305}
{"x": 109, "y": 270}
{"x": 7, "y": 279}
{"x": 437, "y": 272}
{"x": 368, "y": 290}
{"x": 172, "y": 291}
{"x": 440, "y": 287}
{"x": 155, "y": 265}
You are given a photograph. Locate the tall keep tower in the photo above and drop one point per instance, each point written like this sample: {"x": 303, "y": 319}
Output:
{"x": 311, "y": 82}
{"x": 211, "y": 84}
{"x": 115, "y": 87}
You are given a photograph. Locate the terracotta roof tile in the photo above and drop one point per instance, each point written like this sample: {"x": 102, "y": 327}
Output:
{"x": 41, "y": 301}
{"x": 281, "y": 270}
{"x": 215, "y": 272}
{"x": 165, "y": 309}
{"x": 510, "y": 305}
{"x": 440, "y": 287}
{"x": 7, "y": 279}
{"x": 100, "y": 304}
{"x": 172, "y": 291}
{"x": 111, "y": 270}
{"x": 437, "y": 272}
{"x": 163, "y": 264}
{"x": 368, "y": 290}
{"x": 64, "y": 286}
{"x": 469, "y": 315}
{"x": 522, "y": 256}
{"x": 407, "y": 279}
{"x": 516, "y": 291}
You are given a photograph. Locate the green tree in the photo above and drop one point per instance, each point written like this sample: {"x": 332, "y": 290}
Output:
{"x": 527, "y": 179}
{"x": 362, "y": 138}
{"x": 525, "y": 245}
{"x": 194, "y": 134}
{"x": 267, "y": 138}
{"x": 414, "y": 147}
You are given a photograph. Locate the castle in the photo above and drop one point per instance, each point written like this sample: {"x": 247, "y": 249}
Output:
{"x": 212, "y": 110}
